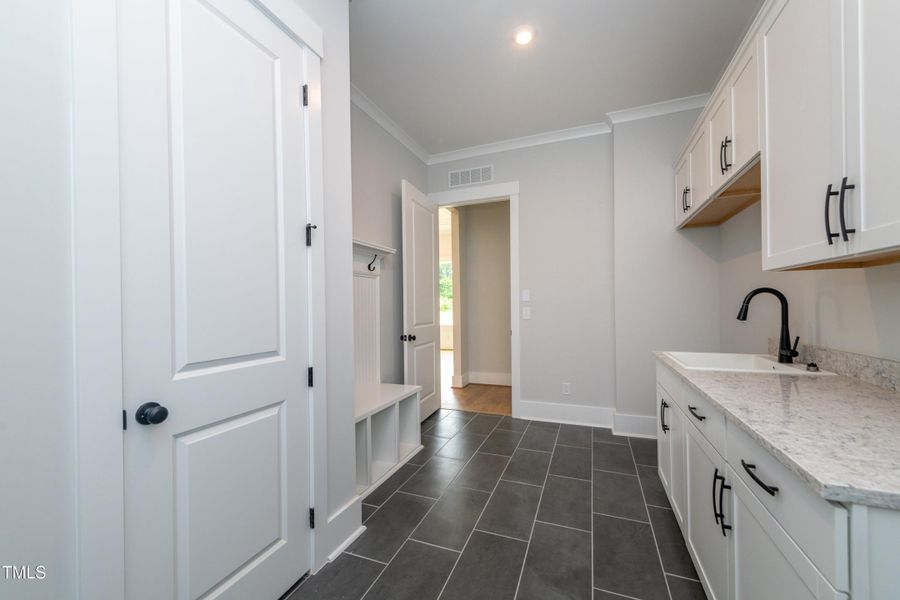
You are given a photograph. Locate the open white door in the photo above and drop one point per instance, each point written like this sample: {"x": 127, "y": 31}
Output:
{"x": 215, "y": 296}
{"x": 421, "y": 321}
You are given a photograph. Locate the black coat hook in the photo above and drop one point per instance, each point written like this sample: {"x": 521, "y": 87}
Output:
{"x": 371, "y": 264}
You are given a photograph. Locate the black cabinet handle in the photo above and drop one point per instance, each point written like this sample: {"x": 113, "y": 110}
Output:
{"x": 844, "y": 230}
{"x": 663, "y": 405}
{"x": 683, "y": 201}
{"x": 695, "y": 414}
{"x": 828, "y": 235}
{"x": 715, "y": 508}
{"x": 687, "y": 192}
{"x": 722, "y": 157}
{"x": 722, "y": 489}
{"x": 751, "y": 471}
{"x": 727, "y": 164}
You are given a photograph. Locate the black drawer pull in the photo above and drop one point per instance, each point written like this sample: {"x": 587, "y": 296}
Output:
{"x": 663, "y": 405}
{"x": 751, "y": 471}
{"x": 727, "y": 165}
{"x": 828, "y": 235}
{"x": 844, "y": 230}
{"x": 696, "y": 415}
{"x": 722, "y": 157}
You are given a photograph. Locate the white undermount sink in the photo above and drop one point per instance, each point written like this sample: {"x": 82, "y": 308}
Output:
{"x": 745, "y": 363}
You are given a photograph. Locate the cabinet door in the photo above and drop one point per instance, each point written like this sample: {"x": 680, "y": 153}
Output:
{"x": 720, "y": 140}
{"x": 666, "y": 407}
{"x": 677, "y": 481}
{"x": 709, "y": 541}
{"x": 766, "y": 561}
{"x": 744, "y": 112}
{"x": 682, "y": 187}
{"x": 873, "y": 207}
{"x": 803, "y": 112}
{"x": 700, "y": 183}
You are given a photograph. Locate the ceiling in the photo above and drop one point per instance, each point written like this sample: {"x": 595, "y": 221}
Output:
{"x": 448, "y": 73}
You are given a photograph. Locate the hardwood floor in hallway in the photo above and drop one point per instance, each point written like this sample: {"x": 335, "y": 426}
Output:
{"x": 476, "y": 397}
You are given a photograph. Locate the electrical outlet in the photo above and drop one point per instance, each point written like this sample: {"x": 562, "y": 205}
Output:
{"x": 526, "y": 312}
{"x": 567, "y": 388}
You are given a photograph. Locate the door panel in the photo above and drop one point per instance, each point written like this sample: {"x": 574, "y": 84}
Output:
{"x": 682, "y": 183}
{"x": 803, "y": 129}
{"x": 745, "y": 112}
{"x": 663, "y": 443}
{"x": 677, "y": 480}
{"x": 700, "y": 181}
{"x": 710, "y": 547}
{"x": 420, "y": 297}
{"x": 873, "y": 207}
{"x": 719, "y": 131}
{"x": 215, "y": 300}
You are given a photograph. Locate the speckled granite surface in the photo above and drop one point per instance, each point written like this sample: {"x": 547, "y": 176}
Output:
{"x": 839, "y": 435}
{"x": 871, "y": 369}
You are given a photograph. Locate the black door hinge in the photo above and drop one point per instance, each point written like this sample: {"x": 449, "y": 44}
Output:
{"x": 305, "y": 95}
{"x": 309, "y": 377}
{"x": 309, "y": 228}
{"x": 312, "y": 518}
{"x": 124, "y": 420}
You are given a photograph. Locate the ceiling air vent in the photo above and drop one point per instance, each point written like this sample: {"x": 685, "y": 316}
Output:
{"x": 472, "y": 176}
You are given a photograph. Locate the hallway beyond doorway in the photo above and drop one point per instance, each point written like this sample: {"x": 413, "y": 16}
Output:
{"x": 496, "y": 399}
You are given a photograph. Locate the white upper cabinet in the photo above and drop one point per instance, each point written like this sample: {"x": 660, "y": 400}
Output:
{"x": 873, "y": 206}
{"x": 744, "y": 111}
{"x": 719, "y": 125}
{"x": 802, "y": 125}
{"x": 700, "y": 183}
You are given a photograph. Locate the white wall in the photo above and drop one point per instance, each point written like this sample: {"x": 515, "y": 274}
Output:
{"x": 857, "y": 310}
{"x": 565, "y": 229}
{"x": 380, "y": 162}
{"x": 666, "y": 281}
{"x": 37, "y": 436}
{"x": 485, "y": 284}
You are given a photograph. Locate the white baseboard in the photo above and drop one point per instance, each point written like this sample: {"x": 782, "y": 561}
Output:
{"x": 575, "y": 414}
{"x": 338, "y": 532}
{"x": 461, "y": 381}
{"x": 594, "y": 416}
{"x": 489, "y": 378}
{"x": 634, "y": 425}
{"x": 346, "y": 543}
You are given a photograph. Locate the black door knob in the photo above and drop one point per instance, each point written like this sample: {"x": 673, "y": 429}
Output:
{"x": 151, "y": 413}
{"x": 412, "y": 338}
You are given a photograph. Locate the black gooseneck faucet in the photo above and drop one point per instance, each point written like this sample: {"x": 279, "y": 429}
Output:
{"x": 786, "y": 353}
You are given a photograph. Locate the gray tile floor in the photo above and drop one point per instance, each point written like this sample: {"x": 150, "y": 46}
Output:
{"x": 498, "y": 508}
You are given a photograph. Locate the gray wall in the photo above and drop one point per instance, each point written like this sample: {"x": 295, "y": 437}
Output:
{"x": 857, "y": 310}
{"x": 666, "y": 281}
{"x": 380, "y": 162}
{"x": 37, "y": 408}
{"x": 566, "y": 260}
{"x": 485, "y": 285}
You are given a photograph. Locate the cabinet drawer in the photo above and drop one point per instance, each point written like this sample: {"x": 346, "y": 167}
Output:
{"x": 819, "y": 527}
{"x": 709, "y": 420}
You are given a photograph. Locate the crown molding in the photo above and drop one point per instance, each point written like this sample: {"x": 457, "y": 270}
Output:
{"x": 658, "y": 109}
{"x": 538, "y": 139}
{"x": 365, "y": 104}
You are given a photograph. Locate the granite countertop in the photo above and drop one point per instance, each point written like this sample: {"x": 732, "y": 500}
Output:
{"x": 841, "y": 436}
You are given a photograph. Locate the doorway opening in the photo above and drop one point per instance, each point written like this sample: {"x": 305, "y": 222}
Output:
{"x": 475, "y": 311}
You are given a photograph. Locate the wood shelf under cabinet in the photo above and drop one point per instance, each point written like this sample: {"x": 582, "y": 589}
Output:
{"x": 743, "y": 191}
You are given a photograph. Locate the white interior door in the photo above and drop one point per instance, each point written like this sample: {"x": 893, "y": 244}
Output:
{"x": 215, "y": 297}
{"x": 421, "y": 321}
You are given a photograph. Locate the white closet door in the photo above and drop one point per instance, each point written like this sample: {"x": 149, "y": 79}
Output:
{"x": 215, "y": 300}
{"x": 421, "y": 322}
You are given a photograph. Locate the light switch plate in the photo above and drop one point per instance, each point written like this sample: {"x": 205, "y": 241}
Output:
{"x": 526, "y": 312}
{"x": 526, "y": 295}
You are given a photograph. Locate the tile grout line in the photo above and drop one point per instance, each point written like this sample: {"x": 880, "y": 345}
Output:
{"x": 481, "y": 514}
{"x": 412, "y": 539}
{"x": 591, "y": 480}
{"x": 536, "y": 511}
{"x": 615, "y": 594}
{"x": 683, "y": 577}
{"x": 502, "y": 535}
{"x": 428, "y": 512}
{"x": 620, "y": 517}
{"x": 562, "y": 526}
{"x": 662, "y": 567}
{"x": 383, "y": 564}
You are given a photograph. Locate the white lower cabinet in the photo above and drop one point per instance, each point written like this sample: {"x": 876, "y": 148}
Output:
{"x": 708, "y": 535}
{"x": 766, "y": 561}
{"x": 677, "y": 478}
{"x": 663, "y": 447}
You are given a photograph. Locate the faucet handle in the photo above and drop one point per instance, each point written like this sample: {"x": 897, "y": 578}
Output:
{"x": 794, "y": 349}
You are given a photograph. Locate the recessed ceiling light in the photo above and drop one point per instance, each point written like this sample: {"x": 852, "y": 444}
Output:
{"x": 524, "y": 35}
